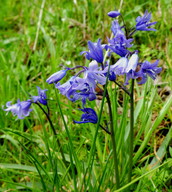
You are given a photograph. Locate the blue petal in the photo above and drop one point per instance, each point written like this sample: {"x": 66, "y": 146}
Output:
{"x": 133, "y": 62}
{"x": 89, "y": 116}
{"x": 54, "y": 78}
{"x": 143, "y": 23}
{"x": 95, "y": 51}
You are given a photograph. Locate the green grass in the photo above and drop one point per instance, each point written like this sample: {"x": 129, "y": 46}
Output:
{"x": 30, "y": 159}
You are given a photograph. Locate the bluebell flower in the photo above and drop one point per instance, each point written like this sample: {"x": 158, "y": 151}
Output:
{"x": 83, "y": 94}
{"x": 20, "y": 109}
{"x": 95, "y": 51}
{"x": 77, "y": 88}
{"x": 116, "y": 29}
{"x": 113, "y": 14}
{"x": 133, "y": 62}
{"x": 131, "y": 68}
{"x": 119, "y": 43}
{"x": 148, "y": 69}
{"x": 89, "y": 116}
{"x": 119, "y": 68}
{"x": 94, "y": 75}
{"x": 65, "y": 87}
{"x": 54, "y": 78}
{"x": 42, "y": 97}
{"x": 143, "y": 24}
{"x": 124, "y": 66}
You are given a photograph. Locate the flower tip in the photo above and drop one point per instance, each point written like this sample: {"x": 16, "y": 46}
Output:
{"x": 113, "y": 14}
{"x": 54, "y": 78}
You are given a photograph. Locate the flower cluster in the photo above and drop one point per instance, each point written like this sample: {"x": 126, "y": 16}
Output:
{"x": 82, "y": 86}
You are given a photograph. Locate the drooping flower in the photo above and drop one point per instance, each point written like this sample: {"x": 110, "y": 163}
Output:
{"x": 65, "y": 87}
{"x": 119, "y": 68}
{"x": 119, "y": 44}
{"x": 123, "y": 66}
{"x": 94, "y": 75}
{"x": 116, "y": 29}
{"x": 42, "y": 97}
{"x": 143, "y": 24}
{"x": 130, "y": 75}
{"x": 21, "y": 109}
{"x": 133, "y": 62}
{"x": 84, "y": 93}
{"x": 131, "y": 68}
{"x": 77, "y": 88}
{"x": 148, "y": 69}
{"x": 54, "y": 78}
{"x": 95, "y": 51}
{"x": 89, "y": 116}
{"x": 113, "y": 14}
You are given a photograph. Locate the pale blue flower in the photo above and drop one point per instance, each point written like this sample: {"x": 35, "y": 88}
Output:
{"x": 21, "y": 109}
{"x": 119, "y": 68}
{"x": 131, "y": 68}
{"x": 54, "y": 78}
{"x": 77, "y": 88}
{"x": 93, "y": 74}
{"x": 133, "y": 62}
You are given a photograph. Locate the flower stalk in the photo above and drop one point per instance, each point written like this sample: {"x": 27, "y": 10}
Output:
{"x": 131, "y": 134}
{"x": 113, "y": 141}
{"x": 54, "y": 132}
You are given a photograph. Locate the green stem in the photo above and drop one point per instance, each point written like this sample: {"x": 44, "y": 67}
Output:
{"x": 113, "y": 141}
{"x": 123, "y": 88}
{"x": 71, "y": 148}
{"x": 131, "y": 135}
{"x": 54, "y": 131}
{"x": 105, "y": 129}
{"x": 92, "y": 152}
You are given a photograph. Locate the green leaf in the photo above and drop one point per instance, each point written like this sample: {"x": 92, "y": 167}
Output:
{"x": 18, "y": 166}
{"x": 162, "y": 150}
{"x": 158, "y": 120}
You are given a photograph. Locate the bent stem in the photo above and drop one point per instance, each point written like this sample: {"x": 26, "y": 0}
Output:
{"x": 105, "y": 129}
{"x": 54, "y": 131}
{"x": 113, "y": 142}
{"x": 131, "y": 134}
{"x": 123, "y": 88}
